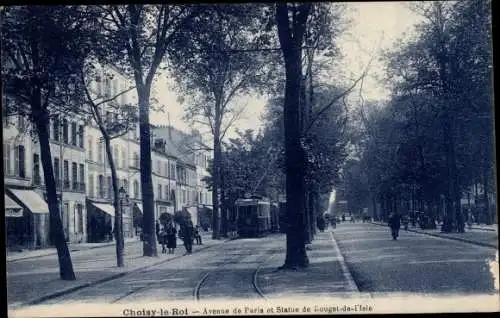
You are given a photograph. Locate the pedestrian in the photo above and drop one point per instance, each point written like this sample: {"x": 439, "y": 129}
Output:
{"x": 405, "y": 222}
{"x": 187, "y": 235}
{"x": 197, "y": 235}
{"x": 395, "y": 224}
{"x": 157, "y": 230}
{"x": 334, "y": 222}
{"x": 162, "y": 239}
{"x": 171, "y": 238}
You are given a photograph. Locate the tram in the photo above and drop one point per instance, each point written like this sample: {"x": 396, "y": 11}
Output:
{"x": 253, "y": 216}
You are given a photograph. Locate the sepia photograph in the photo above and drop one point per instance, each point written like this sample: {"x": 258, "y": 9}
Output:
{"x": 236, "y": 159}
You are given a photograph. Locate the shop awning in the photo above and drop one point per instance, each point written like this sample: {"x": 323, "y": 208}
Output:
{"x": 107, "y": 208}
{"x": 12, "y": 209}
{"x": 139, "y": 206}
{"x": 31, "y": 200}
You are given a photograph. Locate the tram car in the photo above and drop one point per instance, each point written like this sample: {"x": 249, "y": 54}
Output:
{"x": 253, "y": 216}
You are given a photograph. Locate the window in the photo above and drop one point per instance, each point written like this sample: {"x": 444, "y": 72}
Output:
{"x": 136, "y": 189}
{"x": 74, "y": 133}
{"x": 20, "y": 161}
{"x": 91, "y": 148}
{"x": 66, "y": 174}
{"x": 81, "y": 136}
{"x": 159, "y": 191}
{"x": 65, "y": 130}
{"x": 136, "y": 160}
{"x": 101, "y": 186}
{"x": 183, "y": 196}
{"x": 158, "y": 166}
{"x": 172, "y": 171}
{"x": 36, "y": 169}
{"x": 124, "y": 160}
{"x": 99, "y": 152}
{"x": 91, "y": 185}
{"x": 56, "y": 170}
{"x": 125, "y": 184}
{"x": 165, "y": 168}
{"x": 56, "y": 125}
{"x": 82, "y": 177}
{"x": 79, "y": 212}
{"x": 6, "y": 159}
{"x": 74, "y": 170}
{"x": 110, "y": 188}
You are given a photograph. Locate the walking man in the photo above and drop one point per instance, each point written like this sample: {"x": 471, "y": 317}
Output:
{"x": 395, "y": 224}
{"x": 187, "y": 232}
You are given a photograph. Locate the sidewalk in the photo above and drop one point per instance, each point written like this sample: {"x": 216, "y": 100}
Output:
{"x": 41, "y": 284}
{"x": 25, "y": 254}
{"x": 326, "y": 276}
{"x": 488, "y": 238}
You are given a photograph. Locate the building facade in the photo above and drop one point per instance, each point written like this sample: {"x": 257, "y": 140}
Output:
{"x": 83, "y": 175}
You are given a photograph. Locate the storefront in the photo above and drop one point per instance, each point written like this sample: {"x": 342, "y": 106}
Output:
{"x": 28, "y": 225}
{"x": 100, "y": 221}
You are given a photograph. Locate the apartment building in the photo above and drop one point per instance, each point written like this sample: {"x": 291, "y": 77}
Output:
{"x": 25, "y": 185}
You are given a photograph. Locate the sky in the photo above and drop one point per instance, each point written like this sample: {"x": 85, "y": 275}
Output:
{"x": 375, "y": 26}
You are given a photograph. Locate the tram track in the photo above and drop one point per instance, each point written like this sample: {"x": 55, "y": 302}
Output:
{"x": 251, "y": 278}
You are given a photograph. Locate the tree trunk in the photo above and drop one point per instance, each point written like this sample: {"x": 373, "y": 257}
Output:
{"x": 118, "y": 230}
{"x": 296, "y": 255}
{"x": 148, "y": 222}
{"x": 41, "y": 121}
{"x": 215, "y": 184}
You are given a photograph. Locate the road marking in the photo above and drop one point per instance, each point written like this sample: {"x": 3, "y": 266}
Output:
{"x": 347, "y": 274}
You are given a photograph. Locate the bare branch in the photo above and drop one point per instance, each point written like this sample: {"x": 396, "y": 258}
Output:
{"x": 236, "y": 116}
{"x": 336, "y": 98}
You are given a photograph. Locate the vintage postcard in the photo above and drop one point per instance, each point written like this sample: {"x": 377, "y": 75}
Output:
{"x": 244, "y": 159}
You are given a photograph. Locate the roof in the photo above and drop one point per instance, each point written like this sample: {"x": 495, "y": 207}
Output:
{"x": 179, "y": 142}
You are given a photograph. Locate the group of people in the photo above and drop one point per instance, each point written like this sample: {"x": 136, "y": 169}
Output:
{"x": 187, "y": 233}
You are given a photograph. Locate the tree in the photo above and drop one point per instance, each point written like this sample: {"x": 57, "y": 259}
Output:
{"x": 136, "y": 40}
{"x": 449, "y": 60}
{"x": 213, "y": 72}
{"x": 291, "y": 23}
{"x": 43, "y": 47}
{"x": 113, "y": 120}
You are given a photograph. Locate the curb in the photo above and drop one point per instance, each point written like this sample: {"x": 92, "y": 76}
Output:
{"x": 447, "y": 237}
{"x": 345, "y": 269}
{"x": 75, "y": 249}
{"x": 111, "y": 277}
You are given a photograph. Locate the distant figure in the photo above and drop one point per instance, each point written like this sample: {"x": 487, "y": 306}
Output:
{"x": 171, "y": 239}
{"x": 197, "y": 235}
{"x": 405, "y": 221}
{"x": 334, "y": 222}
{"x": 343, "y": 218}
{"x": 186, "y": 234}
{"x": 395, "y": 224}
{"x": 157, "y": 231}
{"x": 162, "y": 239}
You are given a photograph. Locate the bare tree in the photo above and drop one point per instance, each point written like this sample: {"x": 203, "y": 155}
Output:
{"x": 136, "y": 39}
{"x": 113, "y": 119}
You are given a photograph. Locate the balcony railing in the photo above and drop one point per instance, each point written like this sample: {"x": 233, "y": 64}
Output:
{"x": 76, "y": 186}
{"x": 81, "y": 186}
{"x": 66, "y": 185}
{"x": 58, "y": 184}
